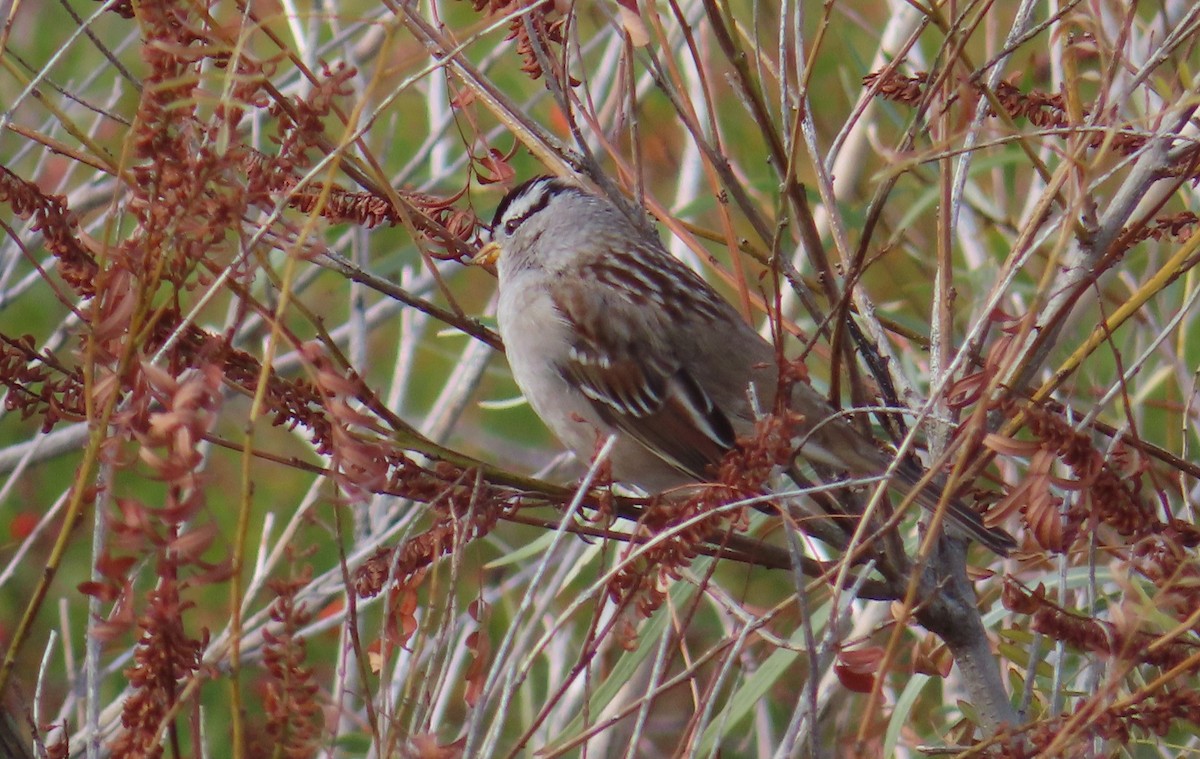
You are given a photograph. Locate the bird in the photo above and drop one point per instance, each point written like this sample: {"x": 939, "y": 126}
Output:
{"x": 606, "y": 333}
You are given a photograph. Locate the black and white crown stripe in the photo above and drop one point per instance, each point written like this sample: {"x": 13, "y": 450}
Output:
{"x": 524, "y": 201}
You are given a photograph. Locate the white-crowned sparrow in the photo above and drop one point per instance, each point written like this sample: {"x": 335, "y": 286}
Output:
{"x": 606, "y": 332}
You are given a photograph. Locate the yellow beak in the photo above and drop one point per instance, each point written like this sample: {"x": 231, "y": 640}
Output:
{"x": 487, "y": 255}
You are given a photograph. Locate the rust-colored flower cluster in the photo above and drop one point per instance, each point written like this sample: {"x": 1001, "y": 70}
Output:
{"x": 185, "y": 197}
{"x": 899, "y": 88}
{"x": 165, "y": 657}
{"x": 293, "y": 715}
{"x": 1151, "y": 711}
{"x": 460, "y": 515}
{"x": 187, "y": 193}
{"x": 300, "y": 124}
{"x": 1109, "y": 491}
{"x": 1126, "y": 641}
{"x": 640, "y": 586}
{"x": 442, "y": 223}
{"x": 1178, "y": 227}
{"x": 1146, "y": 713}
{"x": 58, "y": 226}
{"x": 1168, "y": 560}
{"x": 38, "y": 385}
{"x": 168, "y": 418}
{"x": 1043, "y": 110}
{"x": 549, "y": 27}
{"x": 190, "y": 186}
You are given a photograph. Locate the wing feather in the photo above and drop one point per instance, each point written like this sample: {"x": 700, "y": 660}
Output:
{"x": 643, "y": 390}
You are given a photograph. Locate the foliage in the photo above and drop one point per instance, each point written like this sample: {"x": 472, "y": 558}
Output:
{"x": 241, "y": 344}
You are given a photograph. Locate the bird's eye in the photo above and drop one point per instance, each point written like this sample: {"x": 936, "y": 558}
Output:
{"x": 511, "y": 225}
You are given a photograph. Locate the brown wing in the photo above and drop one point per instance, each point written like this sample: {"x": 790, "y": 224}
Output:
{"x": 624, "y": 362}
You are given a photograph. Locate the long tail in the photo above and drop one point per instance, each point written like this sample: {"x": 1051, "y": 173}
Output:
{"x": 836, "y": 444}
{"x": 961, "y": 518}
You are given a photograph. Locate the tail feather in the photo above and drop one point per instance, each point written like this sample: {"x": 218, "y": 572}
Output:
{"x": 962, "y": 519}
{"x": 832, "y": 442}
